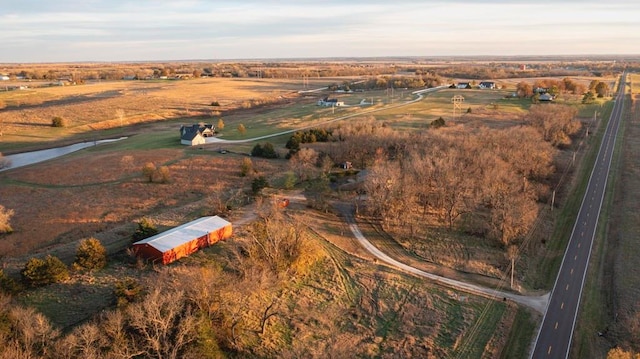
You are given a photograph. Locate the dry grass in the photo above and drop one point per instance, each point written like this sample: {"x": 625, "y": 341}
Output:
{"x": 92, "y": 192}
{"x": 28, "y": 115}
{"x": 623, "y": 232}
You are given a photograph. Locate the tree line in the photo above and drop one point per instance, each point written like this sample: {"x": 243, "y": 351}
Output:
{"x": 482, "y": 181}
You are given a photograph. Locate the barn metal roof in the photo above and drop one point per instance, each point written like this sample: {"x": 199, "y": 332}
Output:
{"x": 182, "y": 234}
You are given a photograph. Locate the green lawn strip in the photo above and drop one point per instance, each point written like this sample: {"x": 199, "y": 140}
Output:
{"x": 566, "y": 217}
{"x": 157, "y": 140}
{"x": 340, "y": 260}
{"x": 593, "y": 315}
{"x": 473, "y": 341}
{"x": 522, "y": 330}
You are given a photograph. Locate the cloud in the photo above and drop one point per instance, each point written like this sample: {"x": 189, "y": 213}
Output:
{"x": 32, "y": 30}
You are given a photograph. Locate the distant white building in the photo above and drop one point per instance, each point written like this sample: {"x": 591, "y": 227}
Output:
{"x": 4, "y": 78}
{"x": 330, "y": 102}
{"x": 487, "y": 85}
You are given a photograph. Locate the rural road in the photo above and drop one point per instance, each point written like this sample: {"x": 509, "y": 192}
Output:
{"x": 558, "y": 324}
{"x": 536, "y": 302}
{"x": 29, "y": 158}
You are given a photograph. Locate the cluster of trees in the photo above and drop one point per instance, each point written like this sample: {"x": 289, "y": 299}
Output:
{"x": 601, "y": 89}
{"x": 208, "y": 313}
{"x": 90, "y": 255}
{"x": 81, "y": 72}
{"x": 553, "y": 87}
{"x": 384, "y": 82}
{"x": 308, "y": 136}
{"x": 161, "y": 326}
{"x": 619, "y": 353}
{"x": 556, "y": 123}
{"x": 510, "y": 70}
{"x": 265, "y": 150}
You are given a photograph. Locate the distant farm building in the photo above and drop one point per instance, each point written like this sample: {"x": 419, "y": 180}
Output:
{"x": 4, "y": 78}
{"x": 183, "y": 240}
{"x": 196, "y": 134}
{"x": 330, "y": 102}
{"x": 463, "y": 85}
{"x": 487, "y": 85}
{"x": 546, "y": 97}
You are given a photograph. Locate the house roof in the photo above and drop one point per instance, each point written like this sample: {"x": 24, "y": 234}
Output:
{"x": 185, "y": 233}
{"x": 191, "y": 132}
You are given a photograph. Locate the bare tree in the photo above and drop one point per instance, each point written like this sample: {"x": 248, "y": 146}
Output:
{"x": 303, "y": 163}
{"x": 164, "y": 324}
{"x": 274, "y": 241}
{"x": 32, "y": 330}
{"x": 512, "y": 211}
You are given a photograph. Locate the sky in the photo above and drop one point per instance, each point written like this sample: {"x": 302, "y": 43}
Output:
{"x": 161, "y": 30}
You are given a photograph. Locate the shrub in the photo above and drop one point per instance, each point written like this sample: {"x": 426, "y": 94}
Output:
{"x": 58, "y": 122}
{"x": 246, "y": 167}
{"x": 7, "y": 284}
{"x": 258, "y": 184}
{"x": 437, "y": 123}
{"x": 162, "y": 174}
{"x": 266, "y": 150}
{"x": 127, "y": 290}
{"x": 5, "y": 218}
{"x": 148, "y": 171}
{"x": 145, "y": 229}
{"x": 215, "y": 103}
{"x": 39, "y": 272}
{"x": 90, "y": 255}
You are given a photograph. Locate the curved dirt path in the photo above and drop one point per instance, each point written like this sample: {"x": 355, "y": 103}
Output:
{"x": 539, "y": 303}
{"x": 420, "y": 95}
{"x": 33, "y": 157}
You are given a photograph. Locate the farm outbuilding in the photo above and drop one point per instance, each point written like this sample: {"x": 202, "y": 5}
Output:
{"x": 183, "y": 240}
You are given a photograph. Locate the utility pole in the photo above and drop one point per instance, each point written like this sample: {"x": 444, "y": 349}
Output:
{"x": 457, "y": 101}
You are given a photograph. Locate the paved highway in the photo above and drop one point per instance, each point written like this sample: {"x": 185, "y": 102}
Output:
{"x": 556, "y": 331}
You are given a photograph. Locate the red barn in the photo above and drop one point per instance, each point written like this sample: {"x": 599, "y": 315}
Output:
{"x": 183, "y": 240}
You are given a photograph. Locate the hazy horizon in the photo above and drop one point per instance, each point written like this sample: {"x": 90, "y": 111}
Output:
{"x": 167, "y": 30}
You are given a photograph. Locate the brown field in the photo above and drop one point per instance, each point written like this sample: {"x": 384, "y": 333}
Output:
{"x": 79, "y": 196}
{"x": 97, "y": 106}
